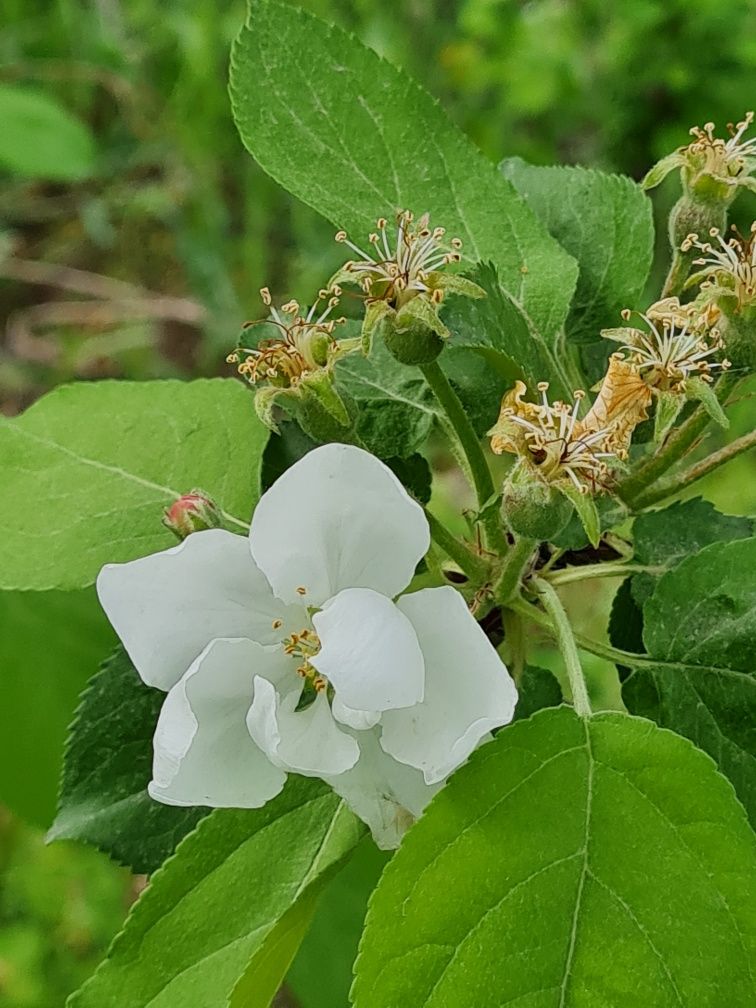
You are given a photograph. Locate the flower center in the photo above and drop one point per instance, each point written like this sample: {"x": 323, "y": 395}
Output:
{"x": 304, "y": 646}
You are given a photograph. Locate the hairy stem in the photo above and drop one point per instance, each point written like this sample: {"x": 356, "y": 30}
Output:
{"x": 516, "y": 563}
{"x": 673, "y": 485}
{"x": 676, "y": 446}
{"x": 568, "y": 575}
{"x": 476, "y": 461}
{"x": 601, "y": 650}
{"x": 566, "y": 641}
{"x": 472, "y": 565}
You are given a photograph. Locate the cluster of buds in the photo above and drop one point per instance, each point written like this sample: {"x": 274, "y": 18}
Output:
{"x": 712, "y": 167}
{"x": 403, "y": 281}
{"x": 294, "y": 367}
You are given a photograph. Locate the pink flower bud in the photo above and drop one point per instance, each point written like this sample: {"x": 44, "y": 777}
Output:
{"x": 192, "y": 512}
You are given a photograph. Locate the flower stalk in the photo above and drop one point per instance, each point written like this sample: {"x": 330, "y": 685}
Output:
{"x": 516, "y": 563}
{"x": 567, "y": 645}
{"x": 479, "y": 472}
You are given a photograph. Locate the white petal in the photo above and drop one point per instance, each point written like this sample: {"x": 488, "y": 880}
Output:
{"x": 385, "y": 794}
{"x": 308, "y": 742}
{"x": 337, "y": 519}
{"x": 203, "y": 754}
{"x": 359, "y": 719}
{"x": 468, "y": 690}
{"x": 168, "y": 606}
{"x": 369, "y": 651}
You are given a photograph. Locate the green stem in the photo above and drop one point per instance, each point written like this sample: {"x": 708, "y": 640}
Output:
{"x": 470, "y": 444}
{"x": 566, "y": 641}
{"x": 472, "y": 565}
{"x": 514, "y": 638}
{"x": 569, "y": 575}
{"x": 516, "y": 563}
{"x": 673, "y": 485}
{"x": 606, "y": 651}
{"x": 676, "y": 446}
{"x": 678, "y": 274}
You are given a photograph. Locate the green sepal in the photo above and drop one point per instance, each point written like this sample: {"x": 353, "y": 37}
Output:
{"x": 587, "y": 512}
{"x": 747, "y": 182}
{"x": 699, "y": 390}
{"x": 453, "y": 283}
{"x": 375, "y": 312}
{"x": 668, "y": 406}
{"x": 619, "y": 334}
{"x": 662, "y": 168}
{"x": 265, "y": 400}
{"x": 420, "y": 309}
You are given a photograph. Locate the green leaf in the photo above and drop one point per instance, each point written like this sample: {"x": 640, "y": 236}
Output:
{"x": 356, "y": 139}
{"x": 587, "y": 512}
{"x": 626, "y": 879}
{"x": 396, "y": 407}
{"x": 216, "y": 903}
{"x": 322, "y": 971}
{"x": 50, "y": 644}
{"x": 106, "y": 770}
{"x": 415, "y": 473}
{"x": 40, "y": 139}
{"x": 497, "y": 328}
{"x": 668, "y": 406}
{"x": 626, "y": 623}
{"x": 537, "y": 688}
{"x": 701, "y": 391}
{"x": 268, "y": 966}
{"x": 665, "y": 537}
{"x": 700, "y": 632}
{"x": 606, "y": 223}
{"x": 88, "y": 469}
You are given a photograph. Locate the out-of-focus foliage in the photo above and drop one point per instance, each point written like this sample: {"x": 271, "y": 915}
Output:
{"x": 59, "y": 908}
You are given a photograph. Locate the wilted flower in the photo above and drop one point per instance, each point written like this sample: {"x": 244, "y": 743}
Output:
{"x": 730, "y": 265}
{"x": 295, "y": 365}
{"x": 672, "y": 349}
{"x": 712, "y": 167}
{"x": 553, "y": 439}
{"x": 404, "y": 281}
{"x": 286, "y": 652}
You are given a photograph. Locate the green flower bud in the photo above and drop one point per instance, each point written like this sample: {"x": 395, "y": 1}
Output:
{"x": 413, "y": 343}
{"x": 531, "y": 507}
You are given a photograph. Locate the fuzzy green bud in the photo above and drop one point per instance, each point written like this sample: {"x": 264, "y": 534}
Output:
{"x": 532, "y": 508}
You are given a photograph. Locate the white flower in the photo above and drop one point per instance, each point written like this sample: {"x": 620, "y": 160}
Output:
{"x": 287, "y": 652}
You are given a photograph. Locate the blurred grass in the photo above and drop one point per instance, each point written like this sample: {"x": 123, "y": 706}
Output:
{"x": 175, "y": 208}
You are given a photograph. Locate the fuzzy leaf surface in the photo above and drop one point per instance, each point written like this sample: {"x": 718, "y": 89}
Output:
{"x": 355, "y": 138}
{"x": 212, "y": 908}
{"x": 577, "y": 912}
{"x": 107, "y": 767}
{"x": 606, "y": 223}
{"x": 700, "y": 626}
{"x": 89, "y": 468}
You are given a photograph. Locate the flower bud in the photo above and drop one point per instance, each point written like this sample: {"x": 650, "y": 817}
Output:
{"x": 410, "y": 340}
{"x": 192, "y": 512}
{"x": 531, "y": 507}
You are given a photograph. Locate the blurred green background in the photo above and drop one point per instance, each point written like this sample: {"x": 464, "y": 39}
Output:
{"x": 135, "y": 233}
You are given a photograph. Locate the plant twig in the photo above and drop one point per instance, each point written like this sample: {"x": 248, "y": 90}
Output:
{"x": 673, "y": 485}
{"x": 476, "y": 461}
{"x": 569, "y": 575}
{"x": 676, "y": 446}
{"x": 474, "y": 566}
